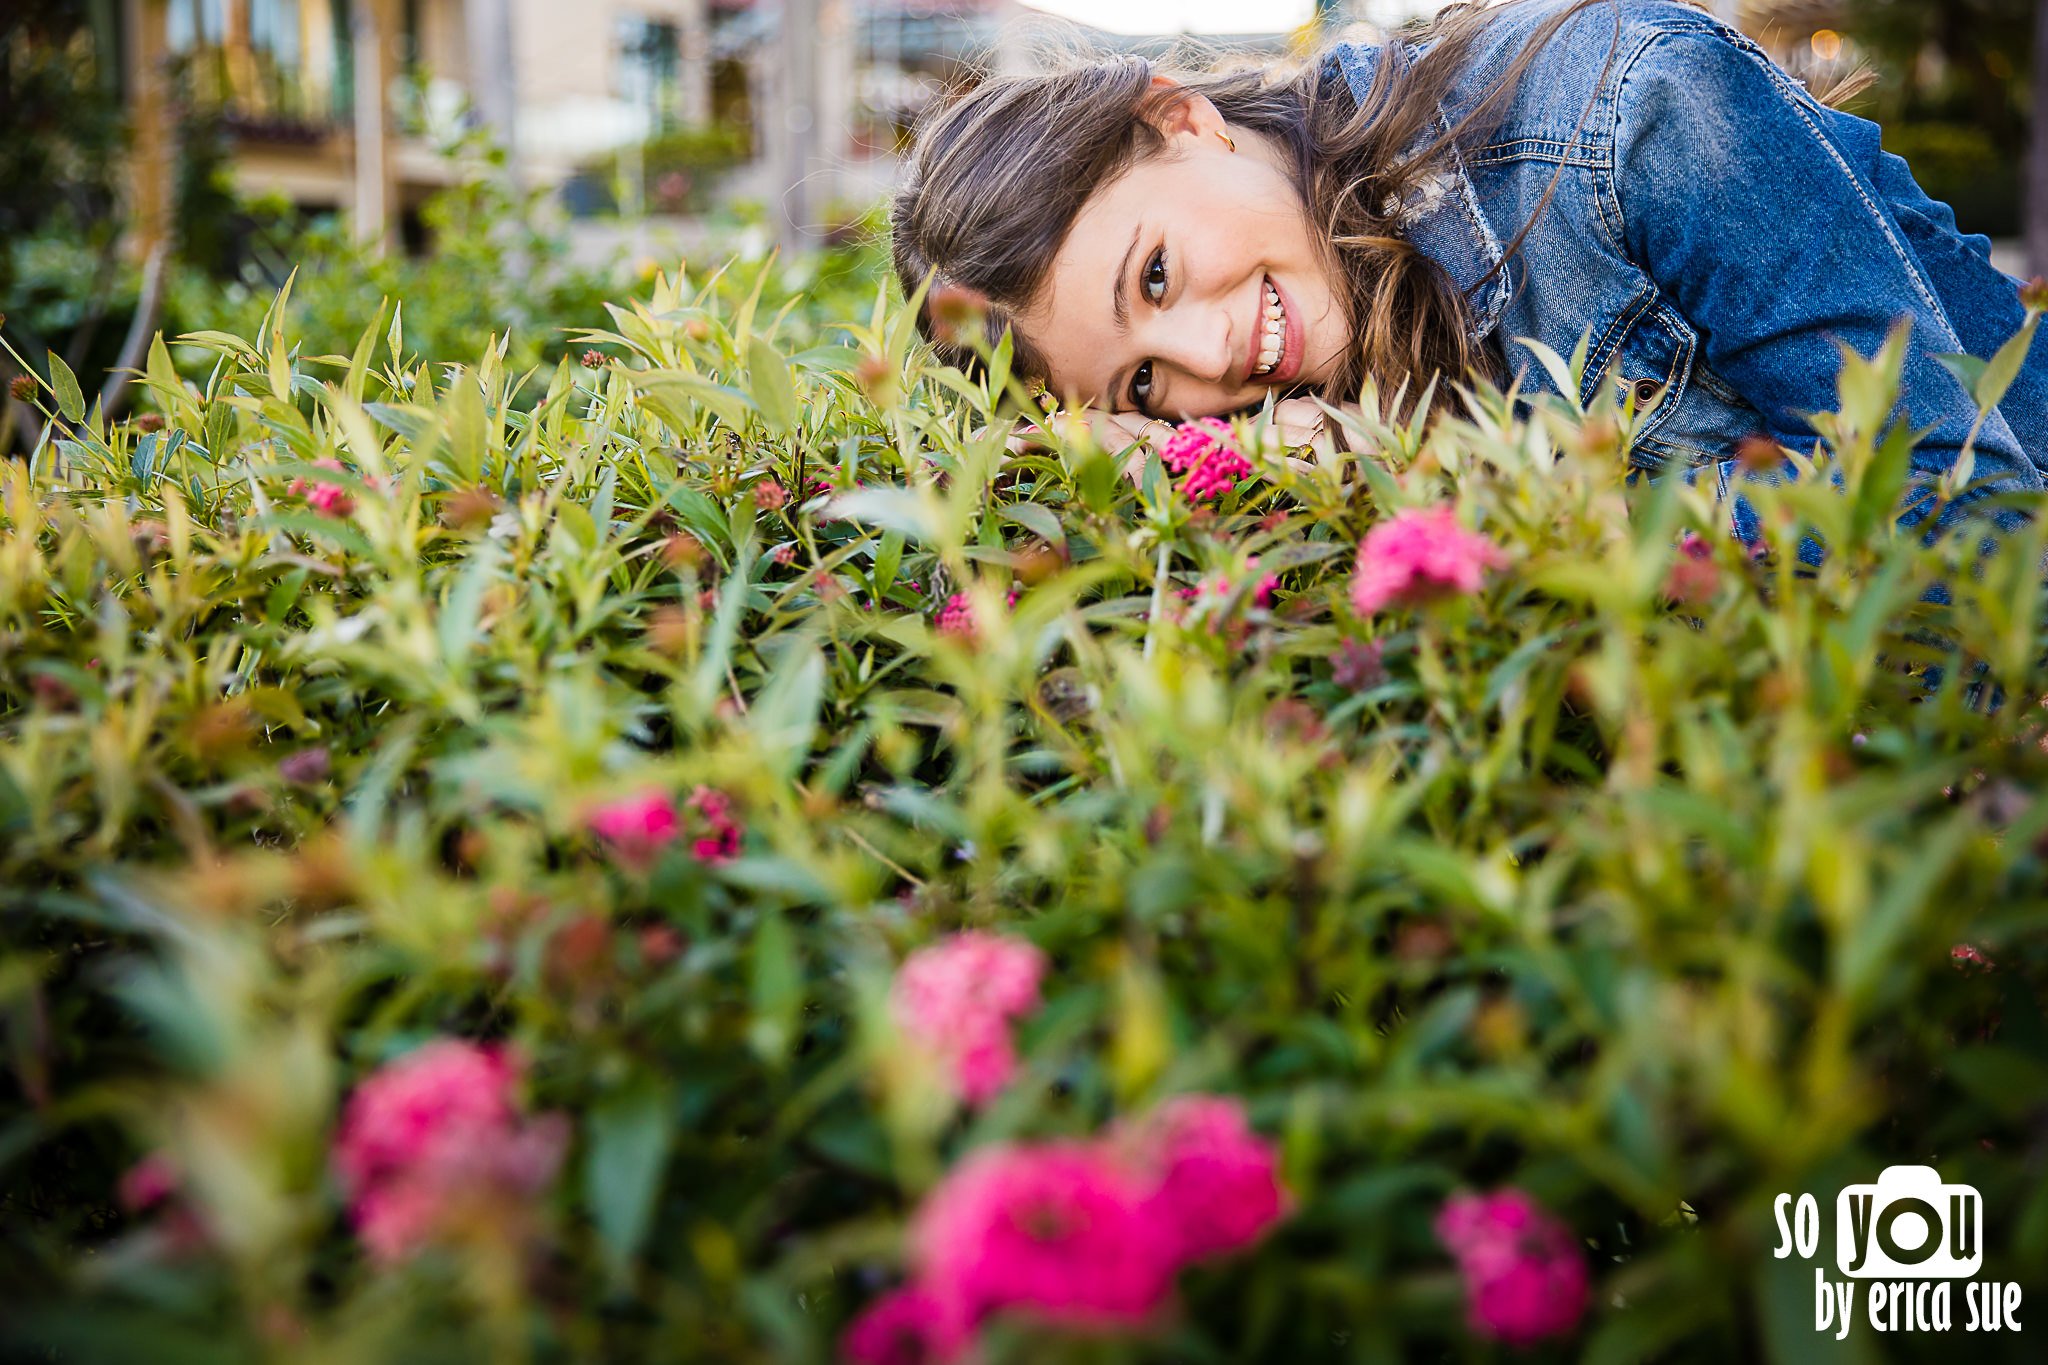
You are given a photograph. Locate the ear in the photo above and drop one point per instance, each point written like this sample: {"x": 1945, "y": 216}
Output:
{"x": 1190, "y": 116}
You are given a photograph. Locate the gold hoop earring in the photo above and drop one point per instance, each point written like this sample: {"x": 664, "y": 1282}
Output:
{"x": 1226, "y": 139}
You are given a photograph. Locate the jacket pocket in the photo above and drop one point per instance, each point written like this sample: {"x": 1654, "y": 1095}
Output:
{"x": 1699, "y": 417}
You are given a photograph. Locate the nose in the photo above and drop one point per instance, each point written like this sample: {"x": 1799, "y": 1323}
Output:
{"x": 1197, "y": 342}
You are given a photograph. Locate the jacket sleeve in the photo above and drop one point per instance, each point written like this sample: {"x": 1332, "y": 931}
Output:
{"x": 1743, "y": 210}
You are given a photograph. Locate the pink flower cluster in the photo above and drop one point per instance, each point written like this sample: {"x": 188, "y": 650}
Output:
{"x": 433, "y": 1142}
{"x": 720, "y": 840}
{"x": 957, "y": 998}
{"x": 1203, "y": 452}
{"x": 1086, "y": 1236}
{"x": 328, "y": 499}
{"x": 1419, "y": 554}
{"x": 637, "y": 828}
{"x": 1525, "y": 1277}
{"x": 956, "y": 618}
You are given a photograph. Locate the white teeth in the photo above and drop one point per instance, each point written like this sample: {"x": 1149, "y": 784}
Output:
{"x": 1272, "y": 340}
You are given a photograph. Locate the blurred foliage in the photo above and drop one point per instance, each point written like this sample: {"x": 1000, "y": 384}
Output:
{"x": 1953, "y": 97}
{"x": 1647, "y": 910}
{"x": 495, "y": 269}
{"x": 61, "y": 128}
{"x": 1960, "y": 165}
{"x": 680, "y": 171}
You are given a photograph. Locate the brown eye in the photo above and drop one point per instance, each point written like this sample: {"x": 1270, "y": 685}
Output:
{"x": 1154, "y": 281}
{"x": 1141, "y": 386}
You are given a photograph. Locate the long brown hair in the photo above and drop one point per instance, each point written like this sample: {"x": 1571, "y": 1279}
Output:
{"x": 996, "y": 179}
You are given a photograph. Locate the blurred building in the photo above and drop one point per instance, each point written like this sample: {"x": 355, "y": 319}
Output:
{"x": 348, "y": 104}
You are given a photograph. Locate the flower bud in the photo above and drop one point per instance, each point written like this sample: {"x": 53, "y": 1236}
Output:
{"x": 1759, "y": 454}
{"x": 958, "y": 313}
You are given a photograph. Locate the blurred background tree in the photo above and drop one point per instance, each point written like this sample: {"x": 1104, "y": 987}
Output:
{"x": 62, "y": 141}
{"x": 1954, "y": 98}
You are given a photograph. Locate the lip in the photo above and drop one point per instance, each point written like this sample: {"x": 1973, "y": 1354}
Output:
{"x": 1289, "y": 364}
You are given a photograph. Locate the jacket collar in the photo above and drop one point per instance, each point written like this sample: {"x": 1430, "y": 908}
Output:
{"x": 1443, "y": 220}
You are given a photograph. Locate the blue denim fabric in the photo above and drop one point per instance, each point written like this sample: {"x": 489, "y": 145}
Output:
{"x": 1719, "y": 231}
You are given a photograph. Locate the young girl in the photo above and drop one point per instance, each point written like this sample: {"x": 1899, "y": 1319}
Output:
{"x": 1629, "y": 170}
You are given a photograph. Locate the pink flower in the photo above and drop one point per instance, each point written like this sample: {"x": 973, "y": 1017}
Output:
{"x": 908, "y": 1327}
{"x": 1416, "y": 555}
{"x": 722, "y": 840}
{"x": 148, "y": 1182}
{"x": 637, "y": 827}
{"x": 1058, "y": 1231}
{"x": 1525, "y": 1277}
{"x": 305, "y": 767}
{"x": 1217, "y": 1185}
{"x": 328, "y": 499}
{"x": 770, "y": 496}
{"x": 1967, "y": 955}
{"x": 1357, "y": 665}
{"x": 1263, "y": 590}
{"x": 1204, "y": 453}
{"x": 433, "y": 1139}
{"x": 1694, "y": 576}
{"x": 956, "y": 618}
{"x": 957, "y": 997}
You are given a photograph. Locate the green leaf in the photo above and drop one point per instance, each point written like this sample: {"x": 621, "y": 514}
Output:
{"x": 1997, "y": 377}
{"x": 630, "y": 1134}
{"x": 785, "y": 717}
{"x": 777, "y": 989}
{"x": 1558, "y": 368}
{"x": 893, "y": 509}
{"x": 457, "y": 626}
{"x": 888, "y": 559}
{"x": 70, "y": 401}
{"x": 2005, "y": 1080}
{"x": 773, "y": 391}
{"x": 359, "y": 359}
{"x": 462, "y": 409}
{"x": 1035, "y": 518}
{"x": 1968, "y": 369}
{"x": 670, "y": 394}
{"x": 1907, "y": 885}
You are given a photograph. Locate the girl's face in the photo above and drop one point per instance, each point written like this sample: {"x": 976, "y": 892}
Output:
{"x": 1191, "y": 285}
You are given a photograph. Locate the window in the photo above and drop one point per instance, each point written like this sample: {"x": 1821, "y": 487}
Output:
{"x": 650, "y": 71}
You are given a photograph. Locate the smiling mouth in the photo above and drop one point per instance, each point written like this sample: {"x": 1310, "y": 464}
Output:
{"x": 1273, "y": 340}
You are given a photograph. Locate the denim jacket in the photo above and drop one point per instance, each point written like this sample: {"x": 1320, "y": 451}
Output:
{"x": 1718, "y": 230}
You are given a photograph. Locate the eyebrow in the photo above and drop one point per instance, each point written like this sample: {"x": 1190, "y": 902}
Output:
{"x": 1122, "y": 311}
{"x": 1117, "y": 306}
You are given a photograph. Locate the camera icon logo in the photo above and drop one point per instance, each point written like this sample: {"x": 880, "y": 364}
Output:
{"x": 1909, "y": 1226}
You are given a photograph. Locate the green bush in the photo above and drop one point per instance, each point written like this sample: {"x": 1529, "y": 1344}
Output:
{"x": 678, "y": 172}
{"x": 1652, "y": 878}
